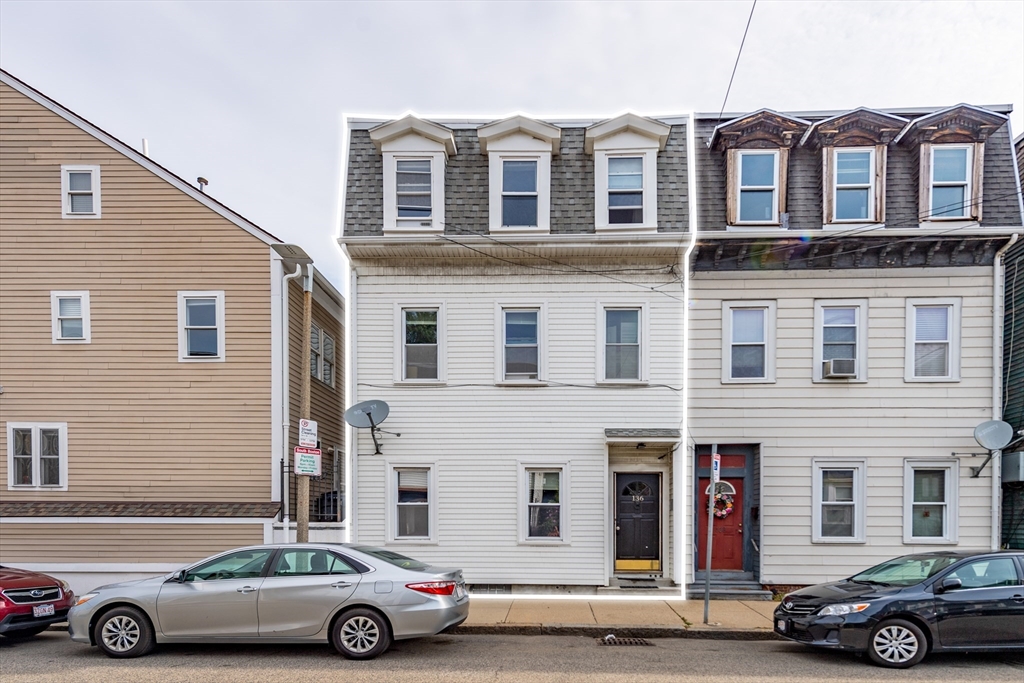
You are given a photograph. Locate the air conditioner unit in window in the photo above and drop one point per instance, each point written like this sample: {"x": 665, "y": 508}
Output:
{"x": 839, "y": 367}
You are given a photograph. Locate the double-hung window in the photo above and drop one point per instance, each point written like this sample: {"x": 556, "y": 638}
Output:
{"x": 933, "y": 340}
{"x": 854, "y": 191}
{"x": 623, "y": 357}
{"x": 625, "y": 190}
{"x": 839, "y": 504}
{"x": 544, "y": 502}
{"x": 758, "y": 194}
{"x": 951, "y": 170}
{"x": 201, "y": 326}
{"x": 413, "y": 191}
{"x": 519, "y": 195}
{"x": 321, "y": 355}
{"x": 840, "y": 339}
{"x": 411, "y": 493}
{"x": 521, "y": 337}
{"x": 930, "y": 501}
{"x": 37, "y": 455}
{"x": 69, "y": 312}
{"x": 80, "y": 187}
{"x": 421, "y": 339}
{"x": 748, "y": 336}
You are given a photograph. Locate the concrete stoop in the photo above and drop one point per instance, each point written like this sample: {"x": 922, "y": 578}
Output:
{"x": 729, "y": 590}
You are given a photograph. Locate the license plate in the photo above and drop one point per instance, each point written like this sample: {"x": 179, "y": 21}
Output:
{"x": 460, "y": 591}
{"x": 781, "y": 623}
{"x": 42, "y": 610}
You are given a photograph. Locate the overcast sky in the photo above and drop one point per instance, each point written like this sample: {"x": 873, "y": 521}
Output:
{"x": 250, "y": 94}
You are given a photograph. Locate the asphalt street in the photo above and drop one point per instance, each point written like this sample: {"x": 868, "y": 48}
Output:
{"x": 52, "y": 657}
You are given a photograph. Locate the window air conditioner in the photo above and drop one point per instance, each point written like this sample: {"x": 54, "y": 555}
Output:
{"x": 839, "y": 367}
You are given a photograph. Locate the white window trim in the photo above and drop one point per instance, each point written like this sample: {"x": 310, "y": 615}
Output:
{"x": 183, "y": 356}
{"x": 523, "y": 467}
{"x": 318, "y": 372}
{"x": 35, "y": 427}
{"x": 859, "y": 467}
{"x": 833, "y": 178}
{"x": 391, "y": 467}
{"x": 65, "y": 189}
{"x": 970, "y": 201}
{"x": 394, "y": 225}
{"x": 495, "y": 171}
{"x": 770, "y": 308}
{"x": 862, "y": 339}
{"x": 952, "y": 517}
{"x": 954, "y": 306}
{"x": 398, "y": 376}
{"x": 650, "y": 190}
{"x": 602, "y": 341}
{"x": 776, "y": 189}
{"x": 55, "y": 296}
{"x": 499, "y": 343}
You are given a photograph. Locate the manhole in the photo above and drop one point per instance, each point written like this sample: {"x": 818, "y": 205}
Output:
{"x": 612, "y": 640}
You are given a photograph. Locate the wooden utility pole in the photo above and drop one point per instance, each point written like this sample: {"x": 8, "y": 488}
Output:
{"x": 302, "y": 494}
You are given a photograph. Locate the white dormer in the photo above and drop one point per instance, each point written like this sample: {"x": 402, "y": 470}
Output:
{"x": 415, "y": 154}
{"x": 519, "y": 150}
{"x": 625, "y": 153}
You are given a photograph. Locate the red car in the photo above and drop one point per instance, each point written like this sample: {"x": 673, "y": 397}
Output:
{"x": 30, "y": 602}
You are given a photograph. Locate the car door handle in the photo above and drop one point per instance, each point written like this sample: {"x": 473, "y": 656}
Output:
{"x": 245, "y": 589}
{"x": 1018, "y": 598}
{"x": 341, "y": 584}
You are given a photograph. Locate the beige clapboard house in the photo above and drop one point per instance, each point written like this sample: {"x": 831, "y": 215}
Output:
{"x": 146, "y": 380}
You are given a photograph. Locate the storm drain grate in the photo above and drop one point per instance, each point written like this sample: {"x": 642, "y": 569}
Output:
{"x": 612, "y": 640}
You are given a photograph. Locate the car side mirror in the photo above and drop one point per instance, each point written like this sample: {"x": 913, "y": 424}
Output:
{"x": 180, "y": 576}
{"x": 950, "y": 585}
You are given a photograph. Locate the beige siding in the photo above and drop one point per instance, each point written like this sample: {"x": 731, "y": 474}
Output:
{"x": 885, "y": 420}
{"x": 125, "y": 543}
{"x": 141, "y": 425}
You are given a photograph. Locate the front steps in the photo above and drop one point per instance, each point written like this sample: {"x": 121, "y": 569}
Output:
{"x": 728, "y": 586}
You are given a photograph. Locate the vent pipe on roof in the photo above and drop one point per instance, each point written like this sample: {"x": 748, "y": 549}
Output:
{"x": 203, "y": 182}
{"x": 145, "y": 148}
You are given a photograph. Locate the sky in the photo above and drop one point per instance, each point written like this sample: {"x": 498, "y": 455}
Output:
{"x": 250, "y": 95}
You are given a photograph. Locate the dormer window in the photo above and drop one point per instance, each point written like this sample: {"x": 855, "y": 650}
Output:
{"x": 519, "y": 151}
{"x": 415, "y": 154}
{"x": 854, "y": 184}
{"x": 758, "y": 195}
{"x": 625, "y": 153}
{"x": 951, "y": 181}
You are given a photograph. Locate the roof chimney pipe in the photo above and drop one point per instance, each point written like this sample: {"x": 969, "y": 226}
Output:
{"x": 203, "y": 182}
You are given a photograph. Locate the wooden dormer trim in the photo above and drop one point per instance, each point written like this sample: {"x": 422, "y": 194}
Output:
{"x": 860, "y": 127}
{"x": 764, "y": 129}
{"x": 959, "y": 124}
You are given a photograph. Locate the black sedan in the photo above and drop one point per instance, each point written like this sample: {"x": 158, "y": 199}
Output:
{"x": 902, "y": 609}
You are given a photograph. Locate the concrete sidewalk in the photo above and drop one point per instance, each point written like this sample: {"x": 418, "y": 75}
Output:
{"x": 651, "y": 618}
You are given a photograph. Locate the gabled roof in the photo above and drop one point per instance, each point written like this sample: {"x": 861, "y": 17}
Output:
{"x": 765, "y": 125}
{"x": 959, "y": 123}
{"x": 860, "y": 123}
{"x": 410, "y": 123}
{"x": 544, "y": 132}
{"x": 144, "y": 161}
{"x": 628, "y": 121}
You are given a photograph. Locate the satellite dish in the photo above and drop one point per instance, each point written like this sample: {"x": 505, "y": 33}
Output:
{"x": 993, "y": 434}
{"x": 367, "y": 414}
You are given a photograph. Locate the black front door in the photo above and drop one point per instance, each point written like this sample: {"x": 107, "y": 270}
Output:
{"x": 637, "y": 522}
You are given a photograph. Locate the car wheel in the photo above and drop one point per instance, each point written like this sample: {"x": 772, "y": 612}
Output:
{"x": 897, "y": 644}
{"x": 361, "y": 634}
{"x": 23, "y": 633}
{"x": 124, "y": 632}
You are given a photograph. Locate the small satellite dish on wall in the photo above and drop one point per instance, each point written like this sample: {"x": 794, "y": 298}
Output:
{"x": 993, "y": 434}
{"x": 368, "y": 415}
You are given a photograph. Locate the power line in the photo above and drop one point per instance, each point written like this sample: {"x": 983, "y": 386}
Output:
{"x": 738, "y": 53}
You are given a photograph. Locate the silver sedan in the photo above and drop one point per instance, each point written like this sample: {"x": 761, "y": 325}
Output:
{"x": 359, "y": 598}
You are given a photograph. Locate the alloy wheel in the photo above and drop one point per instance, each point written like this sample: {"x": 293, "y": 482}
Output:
{"x": 896, "y": 644}
{"x": 359, "y": 634}
{"x": 121, "y": 633}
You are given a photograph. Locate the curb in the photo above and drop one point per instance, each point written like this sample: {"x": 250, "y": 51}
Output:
{"x": 596, "y": 631}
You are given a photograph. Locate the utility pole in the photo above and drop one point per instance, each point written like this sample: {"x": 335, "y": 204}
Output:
{"x": 302, "y": 495}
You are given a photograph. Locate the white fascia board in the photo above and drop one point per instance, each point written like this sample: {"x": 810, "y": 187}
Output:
{"x": 144, "y": 161}
{"x": 550, "y": 135}
{"x": 629, "y": 121}
{"x": 410, "y": 123}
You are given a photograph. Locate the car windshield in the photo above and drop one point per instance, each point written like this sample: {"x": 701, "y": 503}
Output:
{"x": 392, "y": 558}
{"x": 905, "y": 571}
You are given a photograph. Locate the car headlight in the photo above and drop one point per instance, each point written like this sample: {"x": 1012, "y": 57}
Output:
{"x": 839, "y": 610}
{"x": 66, "y": 587}
{"x": 85, "y": 598}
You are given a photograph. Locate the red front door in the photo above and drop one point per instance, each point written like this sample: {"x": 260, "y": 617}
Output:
{"x": 727, "y": 541}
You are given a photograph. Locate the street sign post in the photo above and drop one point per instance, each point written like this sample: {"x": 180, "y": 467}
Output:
{"x": 716, "y": 473}
{"x": 307, "y": 461}
{"x": 716, "y": 467}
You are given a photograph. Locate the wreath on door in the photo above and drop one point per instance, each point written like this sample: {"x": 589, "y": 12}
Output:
{"x": 722, "y": 505}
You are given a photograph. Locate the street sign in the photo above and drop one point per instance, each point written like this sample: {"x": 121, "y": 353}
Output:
{"x": 307, "y": 433}
{"x": 307, "y": 461}
{"x": 716, "y": 468}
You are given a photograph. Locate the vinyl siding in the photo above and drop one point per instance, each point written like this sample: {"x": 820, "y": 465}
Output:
{"x": 141, "y": 424}
{"x": 885, "y": 420}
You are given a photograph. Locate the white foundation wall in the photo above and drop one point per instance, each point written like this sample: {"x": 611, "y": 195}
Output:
{"x": 884, "y": 421}
{"x": 477, "y": 434}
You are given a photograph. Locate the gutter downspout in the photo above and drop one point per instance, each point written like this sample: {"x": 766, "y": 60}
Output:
{"x": 351, "y": 434}
{"x": 285, "y": 471}
{"x": 998, "y": 313}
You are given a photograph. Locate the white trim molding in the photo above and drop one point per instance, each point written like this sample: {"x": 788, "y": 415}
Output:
{"x": 66, "y": 191}
{"x": 541, "y": 308}
{"x": 858, "y": 498}
{"x": 57, "y": 318}
{"x": 769, "y": 309}
{"x": 399, "y": 364}
{"x": 951, "y": 340}
{"x": 643, "y": 342}
{"x": 860, "y": 307}
{"x": 183, "y": 354}
{"x": 391, "y": 470}
{"x": 949, "y": 503}
{"x": 523, "y": 469}
{"x": 36, "y": 455}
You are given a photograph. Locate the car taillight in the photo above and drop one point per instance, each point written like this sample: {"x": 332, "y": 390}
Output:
{"x": 433, "y": 587}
